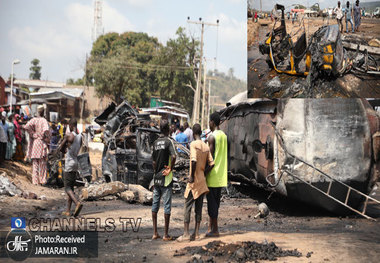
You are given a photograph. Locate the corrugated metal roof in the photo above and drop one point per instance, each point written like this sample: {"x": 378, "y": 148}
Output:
{"x": 39, "y": 83}
{"x": 72, "y": 93}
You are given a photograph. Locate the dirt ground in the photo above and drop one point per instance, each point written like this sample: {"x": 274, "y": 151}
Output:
{"x": 349, "y": 85}
{"x": 290, "y": 224}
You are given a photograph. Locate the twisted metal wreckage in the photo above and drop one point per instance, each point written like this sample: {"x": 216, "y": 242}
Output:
{"x": 128, "y": 140}
{"x": 323, "y": 55}
{"x": 322, "y": 153}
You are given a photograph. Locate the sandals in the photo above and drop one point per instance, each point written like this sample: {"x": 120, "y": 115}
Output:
{"x": 211, "y": 234}
{"x": 154, "y": 237}
{"x": 183, "y": 238}
{"x": 65, "y": 213}
{"x": 78, "y": 208}
{"x": 195, "y": 238}
{"x": 167, "y": 238}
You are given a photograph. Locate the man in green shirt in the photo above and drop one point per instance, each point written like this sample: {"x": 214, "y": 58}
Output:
{"x": 217, "y": 178}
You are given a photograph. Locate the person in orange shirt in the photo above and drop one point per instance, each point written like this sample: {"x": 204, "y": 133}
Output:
{"x": 196, "y": 188}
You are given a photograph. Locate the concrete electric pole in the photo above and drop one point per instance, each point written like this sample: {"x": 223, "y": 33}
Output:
{"x": 197, "y": 95}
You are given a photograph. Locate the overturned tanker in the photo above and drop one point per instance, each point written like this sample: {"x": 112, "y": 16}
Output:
{"x": 128, "y": 138}
{"x": 323, "y": 152}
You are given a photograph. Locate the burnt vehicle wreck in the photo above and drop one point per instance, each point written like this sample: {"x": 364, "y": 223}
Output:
{"x": 321, "y": 153}
{"x": 128, "y": 138}
{"x": 322, "y": 55}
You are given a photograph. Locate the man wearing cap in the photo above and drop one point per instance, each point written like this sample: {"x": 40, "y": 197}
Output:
{"x": 38, "y": 129}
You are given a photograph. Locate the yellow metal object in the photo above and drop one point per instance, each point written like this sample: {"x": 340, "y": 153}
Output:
{"x": 59, "y": 169}
{"x": 327, "y": 67}
{"x": 308, "y": 61}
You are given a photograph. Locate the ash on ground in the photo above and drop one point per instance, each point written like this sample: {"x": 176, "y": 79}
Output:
{"x": 236, "y": 252}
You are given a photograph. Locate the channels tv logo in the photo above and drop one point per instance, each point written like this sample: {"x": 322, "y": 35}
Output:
{"x": 18, "y": 223}
{"x": 18, "y": 242}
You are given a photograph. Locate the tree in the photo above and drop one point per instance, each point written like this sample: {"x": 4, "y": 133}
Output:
{"x": 178, "y": 82}
{"x": 299, "y": 7}
{"x": 135, "y": 66}
{"x": 78, "y": 82}
{"x": 35, "y": 69}
{"x": 10, "y": 76}
{"x": 119, "y": 69}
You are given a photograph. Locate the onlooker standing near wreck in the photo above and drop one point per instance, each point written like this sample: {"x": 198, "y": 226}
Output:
{"x": 217, "y": 178}
{"x": 3, "y": 142}
{"x": 181, "y": 137}
{"x": 11, "y": 146}
{"x": 196, "y": 188}
{"x": 339, "y": 16}
{"x": 3, "y": 139}
{"x": 163, "y": 162}
{"x": 188, "y": 132}
{"x": 72, "y": 142}
{"x": 38, "y": 129}
{"x": 357, "y": 15}
{"x": 348, "y": 13}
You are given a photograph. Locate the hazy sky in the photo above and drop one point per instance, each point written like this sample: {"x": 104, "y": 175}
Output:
{"x": 59, "y": 32}
{"x": 269, "y": 4}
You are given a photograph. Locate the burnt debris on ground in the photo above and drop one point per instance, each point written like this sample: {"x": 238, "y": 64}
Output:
{"x": 236, "y": 252}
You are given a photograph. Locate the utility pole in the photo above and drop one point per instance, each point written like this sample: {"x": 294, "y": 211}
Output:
{"x": 203, "y": 124}
{"x": 197, "y": 95}
{"x": 261, "y": 6}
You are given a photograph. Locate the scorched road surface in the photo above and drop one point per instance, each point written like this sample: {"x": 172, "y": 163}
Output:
{"x": 290, "y": 225}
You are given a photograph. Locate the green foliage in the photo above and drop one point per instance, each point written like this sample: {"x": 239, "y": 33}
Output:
{"x": 226, "y": 86}
{"x": 135, "y": 66}
{"x": 299, "y": 7}
{"x": 78, "y": 82}
{"x": 35, "y": 69}
{"x": 174, "y": 80}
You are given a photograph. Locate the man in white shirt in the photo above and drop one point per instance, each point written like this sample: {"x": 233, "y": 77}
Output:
{"x": 188, "y": 132}
{"x": 339, "y": 16}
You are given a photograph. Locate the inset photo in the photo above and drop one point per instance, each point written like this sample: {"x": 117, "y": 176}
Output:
{"x": 302, "y": 49}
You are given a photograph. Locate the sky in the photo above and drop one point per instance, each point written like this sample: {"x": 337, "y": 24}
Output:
{"x": 59, "y": 33}
{"x": 268, "y": 5}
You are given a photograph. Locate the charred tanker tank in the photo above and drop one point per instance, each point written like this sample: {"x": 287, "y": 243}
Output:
{"x": 323, "y": 152}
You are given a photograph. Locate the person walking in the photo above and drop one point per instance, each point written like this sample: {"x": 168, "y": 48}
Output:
{"x": 357, "y": 16}
{"x": 196, "y": 188}
{"x": 339, "y": 16}
{"x": 217, "y": 178}
{"x": 38, "y": 129}
{"x": 348, "y": 14}
{"x": 72, "y": 143}
{"x": 164, "y": 157}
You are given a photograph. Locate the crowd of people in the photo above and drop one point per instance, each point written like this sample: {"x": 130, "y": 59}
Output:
{"x": 30, "y": 139}
{"x": 207, "y": 175}
{"x": 348, "y": 13}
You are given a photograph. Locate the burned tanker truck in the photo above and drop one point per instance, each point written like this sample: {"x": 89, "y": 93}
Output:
{"x": 128, "y": 138}
{"x": 323, "y": 152}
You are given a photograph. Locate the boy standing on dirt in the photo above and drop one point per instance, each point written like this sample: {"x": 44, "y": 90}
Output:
{"x": 217, "y": 178}
{"x": 196, "y": 188}
{"x": 72, "y": 142}
{"x": 163, "y": 162}
{"x": 339, "y": 16}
